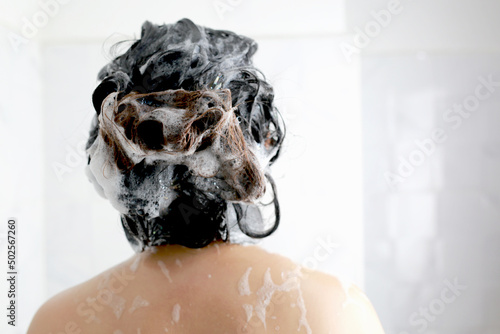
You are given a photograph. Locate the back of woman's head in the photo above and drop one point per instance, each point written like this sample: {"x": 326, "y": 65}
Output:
{"x": 185, "y": 131}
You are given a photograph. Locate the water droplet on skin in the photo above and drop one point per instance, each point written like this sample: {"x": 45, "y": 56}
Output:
{"x": 135, "y": 264}
{"x": 248, "y": 311}
{"x": 218, "y": 249}
{"x": 164, "y": 270}
{"x": 243, "y": 285}
{"x": 138, "y": 303}
{"x": 118, "y": 305}
{"x": 104, "y": 281}
{"x": 176, "y": 313}
{"x": 346, "y": 287}
{"x": 265, "y": 293}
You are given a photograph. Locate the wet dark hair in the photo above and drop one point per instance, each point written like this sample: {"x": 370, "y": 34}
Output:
{"x": 190, "y": 63}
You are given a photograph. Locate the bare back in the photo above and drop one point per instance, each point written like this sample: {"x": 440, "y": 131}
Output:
{"x": 221, "y": 288}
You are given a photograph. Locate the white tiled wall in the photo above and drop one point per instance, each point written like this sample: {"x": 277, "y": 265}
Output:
{"x": 21, "y": 181}
{"x": 442, "y": 223}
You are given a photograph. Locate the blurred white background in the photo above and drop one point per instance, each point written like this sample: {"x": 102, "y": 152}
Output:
{"x": 388, "y": 174}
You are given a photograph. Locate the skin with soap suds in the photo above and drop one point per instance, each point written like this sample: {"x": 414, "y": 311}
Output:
{"x": 176, "y": 313}
{"x": 118, "y": 305}
{"x": 297, "y": 300}
{"x": 135, "y": 264}
{"x": 243, "y": 286}
{"x": 165, "y": 271}
{"x": 137, "y": 303}
{"x": 248, "y": 310}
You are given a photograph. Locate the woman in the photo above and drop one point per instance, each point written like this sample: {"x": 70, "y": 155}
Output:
{"x": 182, "y": 142}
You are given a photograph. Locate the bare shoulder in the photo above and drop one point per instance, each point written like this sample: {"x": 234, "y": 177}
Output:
{"x": 58, "y": 314}
{"x": 323, "y": 303}
{"x": 67, "y": 311}
{"x": 338, "y": 307}
{"x": 220, "y": 288}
